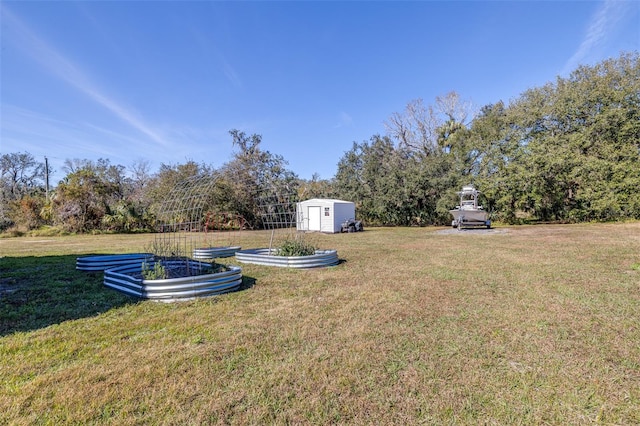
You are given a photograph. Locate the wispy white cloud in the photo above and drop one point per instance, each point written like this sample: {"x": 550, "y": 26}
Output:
{"x": 57, "y": 139}
{"x": 345, "y": 120}
{"x": 65, "y": 69}
{"x": 230, "y": 72}
{"x": 24, "y": 129}
{"x": 44, "y": 136}
{"x": 208, "y": 48}
{"x": 603, "y": 23}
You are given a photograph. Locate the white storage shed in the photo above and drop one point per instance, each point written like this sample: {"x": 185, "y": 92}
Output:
{"x": 324, "y": 215}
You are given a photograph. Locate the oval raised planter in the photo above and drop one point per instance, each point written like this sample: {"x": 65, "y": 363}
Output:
{"x": 106, "y": 261}
{"x": 268, "y": 257}
{"x": 214, "y": 252}
{"x": 127, "y": 279}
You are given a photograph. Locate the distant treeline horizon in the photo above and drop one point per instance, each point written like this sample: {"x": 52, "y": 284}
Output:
{"x": 567, "y": 151}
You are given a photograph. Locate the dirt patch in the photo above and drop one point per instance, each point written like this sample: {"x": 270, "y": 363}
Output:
{"x": 473, "y": 231}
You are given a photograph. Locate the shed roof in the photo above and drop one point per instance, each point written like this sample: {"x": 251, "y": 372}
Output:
{"x": 327, "y": 200}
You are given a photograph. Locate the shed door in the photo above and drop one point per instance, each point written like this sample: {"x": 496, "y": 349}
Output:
{"x": 314, "y": 218}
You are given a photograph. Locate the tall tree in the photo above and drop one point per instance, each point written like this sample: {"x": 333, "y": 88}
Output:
{"x": 21, "y": 190}
{"x": 97, "y": 195}
{"x": 493, "y": 160}
{"x": 140, "y": 179}
{"x": 252, "y": 173}
{"x": 415, "y": 129}
{"x": 392, "y": 186}
{"x": 598, "y": 108}
{"x": 166, "y": 179}
{"x": 315, "y": 188}
{"x": 579, "y": 137}
{"x": 82, "y": 200}
{"x": 20, "y": 174}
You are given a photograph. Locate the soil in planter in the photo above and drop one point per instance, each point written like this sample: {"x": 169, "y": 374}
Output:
{"x": 178, "y": 269}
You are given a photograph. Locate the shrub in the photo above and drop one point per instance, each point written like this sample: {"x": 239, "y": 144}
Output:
{"x": 157, "y": 273}
{"x": 295, "y": 247}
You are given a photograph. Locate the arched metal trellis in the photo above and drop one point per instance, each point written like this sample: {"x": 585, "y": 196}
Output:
{"x": 192, "y": 225}
{"x": 288, "y": 247}
{"x": 189, "y": 223}
{"x": 277, "y": 208}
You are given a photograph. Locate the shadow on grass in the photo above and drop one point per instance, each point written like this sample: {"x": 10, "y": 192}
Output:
{"x": 36, "y": 292}
{"x": 247, "y": 283}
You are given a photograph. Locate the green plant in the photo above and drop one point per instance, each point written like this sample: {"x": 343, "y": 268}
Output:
{"x": 295, "y": 247}
{"x": 157, "y": 273}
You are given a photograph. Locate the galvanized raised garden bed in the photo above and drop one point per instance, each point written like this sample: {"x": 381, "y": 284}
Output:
{"x": 214, "y": 252}
{"x": 106, "y": 261}
{"x": 268, "y": 257}
{"x": 128, "y": 279}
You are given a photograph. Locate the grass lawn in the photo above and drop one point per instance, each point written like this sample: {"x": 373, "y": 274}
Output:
{"x": 524, "y": 325}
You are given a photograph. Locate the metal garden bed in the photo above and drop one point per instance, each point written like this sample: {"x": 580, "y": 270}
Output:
{"x": 127, "y": 279}
{"x": 268, "y": 257}
{"x": 102, "y": 262}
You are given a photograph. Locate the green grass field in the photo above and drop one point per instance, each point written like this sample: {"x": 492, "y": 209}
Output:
{"x": 524, "y": 325}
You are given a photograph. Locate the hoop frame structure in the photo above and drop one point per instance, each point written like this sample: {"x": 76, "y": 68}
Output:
{"x": 189, "y": 221}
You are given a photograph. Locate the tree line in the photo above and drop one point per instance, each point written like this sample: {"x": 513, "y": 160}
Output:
{"x": 567, "y": 151}
{"x": 100, "y": 196}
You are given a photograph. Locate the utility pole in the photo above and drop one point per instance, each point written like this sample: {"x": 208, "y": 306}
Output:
{"x": 46, "y": 177}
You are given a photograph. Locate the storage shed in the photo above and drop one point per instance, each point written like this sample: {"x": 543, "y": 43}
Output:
{"x": 324, "y": 215}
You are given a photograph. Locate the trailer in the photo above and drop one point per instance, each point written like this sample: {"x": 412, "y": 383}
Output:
{"x": 468, "y": 213}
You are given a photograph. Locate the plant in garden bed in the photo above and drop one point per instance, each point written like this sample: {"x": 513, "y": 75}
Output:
{"x": 158, "y": 272}
{"x": 171, "y": 261}
{"x": 296, "y": 246}
{"x": 165, "y": 268}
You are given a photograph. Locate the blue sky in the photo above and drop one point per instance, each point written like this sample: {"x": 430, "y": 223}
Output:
{"x": 164, "y": 81}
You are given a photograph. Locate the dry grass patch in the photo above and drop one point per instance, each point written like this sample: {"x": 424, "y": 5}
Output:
{"x": 533, "y": 325}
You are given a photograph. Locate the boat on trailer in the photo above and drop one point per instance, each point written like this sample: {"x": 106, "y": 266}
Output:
{"x": 469, "y": 213}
